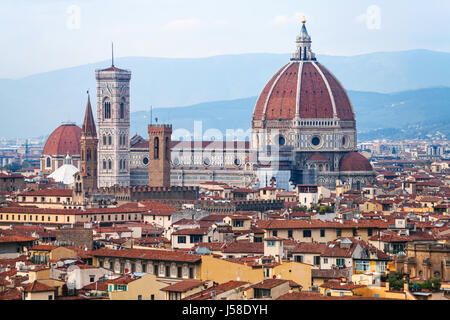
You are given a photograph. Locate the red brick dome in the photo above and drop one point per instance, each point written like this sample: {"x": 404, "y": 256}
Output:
{"x": 353, "y": 161}
{"x": 64, "y": 140}
{"x": 305, "y": 88}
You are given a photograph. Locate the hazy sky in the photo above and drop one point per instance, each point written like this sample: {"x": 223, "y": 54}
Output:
{"x": 44, "y": 35}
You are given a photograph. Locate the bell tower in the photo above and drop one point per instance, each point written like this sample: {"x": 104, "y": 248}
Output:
{"x": 88, "y": 148}
{"x": 86, "y": 178}
{"x": 113, "y": 119}
{"x": 159, "y": 155}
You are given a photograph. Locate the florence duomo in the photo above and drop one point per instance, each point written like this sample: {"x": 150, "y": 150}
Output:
{"x": 303, "y": 112}
{"x": 238, "y": 154}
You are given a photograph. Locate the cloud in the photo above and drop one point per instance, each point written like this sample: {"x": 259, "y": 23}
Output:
{"x": 183, "y": 24}
{"x": 295, "y": 18}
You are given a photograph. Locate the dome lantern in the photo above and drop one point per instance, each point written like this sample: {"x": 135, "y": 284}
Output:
{"x": 303, "y": 43}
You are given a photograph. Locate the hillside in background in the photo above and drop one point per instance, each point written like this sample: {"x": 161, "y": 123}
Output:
{"x": 399, "y": 115}
{"x": 38, "y": 104}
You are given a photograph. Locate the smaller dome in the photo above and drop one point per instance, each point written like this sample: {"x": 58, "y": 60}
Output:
{"x": 317, "y": 157}
{"x": 353, "y": 161}
{"x": 64, "y": 140}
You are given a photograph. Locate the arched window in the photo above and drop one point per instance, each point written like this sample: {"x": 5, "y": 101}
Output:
{"x": 109, "y": 140}
{"x": 120, "y": 164}
{"x": 109, "y": 164}
{"x": 48, "y": 163}
{"x": 107, "y": 109}
{"x": 156, "y": 148}
{"x": 104, "y": 140}
{"x": 88, "y": 155}
{"x": 122, "y": 110}
{"x": 104, "y": 164}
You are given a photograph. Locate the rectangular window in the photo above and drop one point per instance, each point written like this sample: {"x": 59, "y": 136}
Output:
{"x": 191, "y": 273}
{"x": 181, "y": 239}
{"x": 275, "y": 233}
{"x": 195, "y": 238}
{"x": 42, "y": 218}
{"x": 139, "y": 297}
{"x": 271, "y": 243}
{"x": 338, "y": 233}
{"x": 355, "y": 232}
{"x": 299, "y": 258}
{"x": 290, "y": 234}
{"x": 325, "y": 260}
{"x": 340, "y": 262}
{"x": 167, "y": 271}
{"x": 152, "y": 297}
{"x": 322, "y": 233}
{"x": 56, "y": 218}
{"x": 362, "y": 265}
{"x": 238, "y": 223}
{"x": 155, "y": 269}
{"x": 133, "y": 267}
{"x": 316, "y": 260}
{"x": 144, "y": 268}
{"x": 179, "y": 273}
{"x": 91, "y": 278}
{"x": 306, "y": 233}
{"x": 369, "y": 232}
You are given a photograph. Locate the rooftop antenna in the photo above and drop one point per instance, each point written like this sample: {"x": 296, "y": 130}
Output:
{"x": 112, "y": 54}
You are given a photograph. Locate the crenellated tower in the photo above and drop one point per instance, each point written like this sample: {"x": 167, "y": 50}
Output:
{"x": 159, "y": 155}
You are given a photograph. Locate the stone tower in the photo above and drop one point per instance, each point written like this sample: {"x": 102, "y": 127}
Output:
{"x": 159, "y": 155}
{"x": 113, "y": 120}
{"x": 88, "y": 148}
{"x": 86, "y": 178}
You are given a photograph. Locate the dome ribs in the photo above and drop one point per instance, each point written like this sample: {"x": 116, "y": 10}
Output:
{"x": 315, "y": 101}
{"x": 259, "y": 107}
{"x": 344, "y": 108}
{"x": 281, "y": 104}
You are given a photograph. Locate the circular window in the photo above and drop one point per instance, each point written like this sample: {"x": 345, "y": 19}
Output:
{"x": 206, "y": 162}
{"x": 237, "y": 162}
{"x": 281, "y": 141}
{"x": 315, "y": 141}
{"x": 145, "y": 160}
{"x": 176, "y": 161}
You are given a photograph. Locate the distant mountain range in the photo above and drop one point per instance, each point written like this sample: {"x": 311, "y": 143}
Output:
{"x": 400, "y": 115}
{"x": 37, "y": 104}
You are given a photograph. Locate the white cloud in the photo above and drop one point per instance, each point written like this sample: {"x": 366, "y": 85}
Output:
{"x": 295, "y": 18}
{"x": 177, "y": 25}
